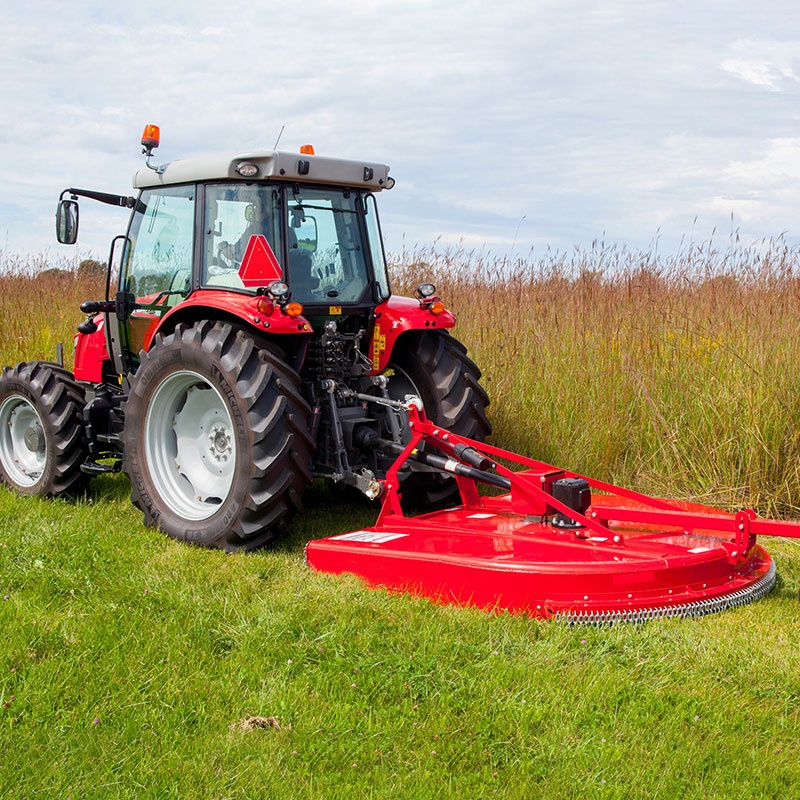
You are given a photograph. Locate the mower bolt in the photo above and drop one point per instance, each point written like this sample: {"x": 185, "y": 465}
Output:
{"x": 741, "y": 526}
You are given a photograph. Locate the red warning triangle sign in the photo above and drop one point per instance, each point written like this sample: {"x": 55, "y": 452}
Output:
{"x": 259, "y": 265}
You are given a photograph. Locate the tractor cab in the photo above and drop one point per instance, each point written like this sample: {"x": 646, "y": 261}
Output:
{"x": 322, "y": 241}
{"x": 302, "y": 230}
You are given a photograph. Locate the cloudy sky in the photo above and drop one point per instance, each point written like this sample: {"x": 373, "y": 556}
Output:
{"x": 509, "y": 125}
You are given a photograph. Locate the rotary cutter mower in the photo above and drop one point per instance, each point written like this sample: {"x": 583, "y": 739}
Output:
{"x": 553, "y": 544}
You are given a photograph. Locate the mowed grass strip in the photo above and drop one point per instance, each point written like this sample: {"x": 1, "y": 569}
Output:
{"x": 130, "y": 664}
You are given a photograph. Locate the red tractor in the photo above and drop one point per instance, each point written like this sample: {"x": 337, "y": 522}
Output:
{"x": 251, "y": 345}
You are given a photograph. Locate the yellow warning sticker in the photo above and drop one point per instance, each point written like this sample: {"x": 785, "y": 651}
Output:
{"x": 378, "y": 345}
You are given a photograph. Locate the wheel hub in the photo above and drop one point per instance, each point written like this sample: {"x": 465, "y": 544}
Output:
{"x": 34, "y": 438}
{"x": 220, "y": 448}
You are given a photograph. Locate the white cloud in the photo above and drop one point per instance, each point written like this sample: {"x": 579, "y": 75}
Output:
{"x": 767, "y": 64}
{"x": 625, "y": 117}
{"x": 777, "y": 168}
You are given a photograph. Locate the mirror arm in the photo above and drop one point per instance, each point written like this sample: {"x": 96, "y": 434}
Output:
{"x": 103, "y": 197}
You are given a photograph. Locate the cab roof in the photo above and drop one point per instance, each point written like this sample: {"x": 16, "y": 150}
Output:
{"x": 295, "y": 167}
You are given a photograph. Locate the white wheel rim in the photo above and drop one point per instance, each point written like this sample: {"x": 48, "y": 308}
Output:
{"x": 23, "y": 445}
{"x": 190, "y": 445}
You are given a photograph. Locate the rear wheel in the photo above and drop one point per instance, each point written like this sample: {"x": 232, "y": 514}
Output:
{"x": 435, "y": 366}
{"x": 42, "y": 439}
{"x": 216, "y": 438}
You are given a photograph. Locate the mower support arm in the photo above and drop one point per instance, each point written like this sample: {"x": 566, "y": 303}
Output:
{"x": 440, "y": 462}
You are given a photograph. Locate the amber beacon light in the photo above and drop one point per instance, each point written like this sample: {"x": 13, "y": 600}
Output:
{"x": 151, "y": 137}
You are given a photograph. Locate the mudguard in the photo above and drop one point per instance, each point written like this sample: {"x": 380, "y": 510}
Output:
{"x": 398, "y": 315}
{"x": 91, "y": 350}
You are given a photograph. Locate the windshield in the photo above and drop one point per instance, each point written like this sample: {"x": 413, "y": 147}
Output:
{"x": 319, "y": 247}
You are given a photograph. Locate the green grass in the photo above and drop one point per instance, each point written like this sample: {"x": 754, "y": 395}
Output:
{"x": 128, "y": 661}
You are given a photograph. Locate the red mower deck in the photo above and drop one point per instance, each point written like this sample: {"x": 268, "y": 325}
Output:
{"x": 623, "y": 557}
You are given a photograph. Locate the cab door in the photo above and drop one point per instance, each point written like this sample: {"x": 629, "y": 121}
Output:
{"x": 156, "y": 271}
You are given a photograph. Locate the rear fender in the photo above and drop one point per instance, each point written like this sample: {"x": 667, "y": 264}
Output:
{"x": 396, "y": 316}
{"x": 215, "y": 304}
{"x": 91, "y": 350}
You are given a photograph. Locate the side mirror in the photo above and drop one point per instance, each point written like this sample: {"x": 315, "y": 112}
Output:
{"x": 306, "y": 233}
{"x": 67, "y": 221}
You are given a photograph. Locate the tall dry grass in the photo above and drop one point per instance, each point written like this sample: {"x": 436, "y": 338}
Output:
{"x": 40, "y": 299}
{"x": 674, "y": 374}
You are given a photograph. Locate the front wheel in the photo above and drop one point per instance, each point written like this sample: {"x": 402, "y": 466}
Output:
{"x": 216, "y": 438}
{"x": 435, "y": 367}
{"x": 42, "y": 439}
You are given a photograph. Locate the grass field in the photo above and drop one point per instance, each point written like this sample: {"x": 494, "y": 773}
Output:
{"x": 130, "y": 665}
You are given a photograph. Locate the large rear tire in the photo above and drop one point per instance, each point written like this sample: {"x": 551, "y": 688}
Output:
{"x": 216, "y": 438}
{"x": 436, "y": 367}
{"x": 42, "y": 438}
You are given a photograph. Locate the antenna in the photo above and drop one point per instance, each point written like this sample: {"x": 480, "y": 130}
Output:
{"x": 279, "y": 137}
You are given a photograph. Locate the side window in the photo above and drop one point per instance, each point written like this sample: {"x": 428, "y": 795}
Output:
{"x": 376, "y": 246}
{"x": 162, "y": 235}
